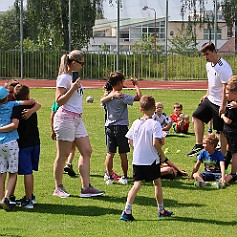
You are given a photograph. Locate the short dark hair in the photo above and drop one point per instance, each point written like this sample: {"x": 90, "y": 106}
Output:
{"x": 115, "y": 77}
{"x": 21, "y": 92}
{"x": 208, "y": 46}
{"x": 147, "y": 102}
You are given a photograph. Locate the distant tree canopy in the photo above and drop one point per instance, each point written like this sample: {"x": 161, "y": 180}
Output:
{"x": 46, "y": 24}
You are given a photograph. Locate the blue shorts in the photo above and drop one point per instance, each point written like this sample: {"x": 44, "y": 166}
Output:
{"x": 209, "y": 176}
{"x": 28, "y": 160}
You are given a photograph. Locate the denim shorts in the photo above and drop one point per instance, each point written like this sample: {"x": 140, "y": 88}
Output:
{"x": 210, "y": 176}
{"x": 9, "y": 157}
{"x": 28, "y": 160}
{"x": 68, "y": 127}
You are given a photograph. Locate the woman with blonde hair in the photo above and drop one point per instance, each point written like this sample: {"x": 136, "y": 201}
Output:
{"x": 69, "y": 127}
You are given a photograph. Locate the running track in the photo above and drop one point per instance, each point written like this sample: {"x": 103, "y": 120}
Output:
{"x": 163, "y": 85}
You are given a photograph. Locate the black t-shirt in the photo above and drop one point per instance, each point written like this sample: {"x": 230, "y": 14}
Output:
{"x": 231, "y": 129}
{"x": 27, "y": 129}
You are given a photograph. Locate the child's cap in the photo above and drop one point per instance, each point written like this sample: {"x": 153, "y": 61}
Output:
{"x": 3, "y": 92}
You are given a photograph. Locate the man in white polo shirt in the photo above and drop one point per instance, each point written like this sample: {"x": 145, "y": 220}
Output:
{"x": 213, "y": 103}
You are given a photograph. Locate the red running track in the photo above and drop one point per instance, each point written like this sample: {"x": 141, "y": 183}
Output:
{"x": 164, "y": 85}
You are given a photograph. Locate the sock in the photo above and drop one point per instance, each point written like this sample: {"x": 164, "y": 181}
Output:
{"x": 161, "y": 207}
{"x": 128, "y": 208}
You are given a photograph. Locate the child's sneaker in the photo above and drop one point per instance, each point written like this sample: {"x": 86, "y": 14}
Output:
{"x": 33, "y": 199}
{"x": 90, "y": 192}
{"x": 199, "y": 184}
{"x": 126, "y": 217}
{"x": 218, "y": 185}
{"x": 61, "y": 192}
{"x": 123, "y": 180}
{"x": 115, "y": 176}
{"x": 12, "y": 200}
{"x": 109, "y": 181}
{"x": 6, "y": 204}
{"x": 69, "y": 170}
{"x": 28, "y": 204}
{"x": 165, "y": 213}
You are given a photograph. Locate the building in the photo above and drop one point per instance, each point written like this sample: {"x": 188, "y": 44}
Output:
{"x": 138, "y": 23}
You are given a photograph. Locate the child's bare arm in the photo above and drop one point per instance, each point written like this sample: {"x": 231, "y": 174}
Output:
{"x": 26, "y": 113}
{"x": 226, "y": 120}
{"x": 222, "y": 165}
{"x": 11, "y": 126}
{"x": 196, "y": 168}
{"x": 138, "y": 90}
{"x": 28, "y": 102}
{"x": 111, "y": 95}
{"x": 157, "y": 145}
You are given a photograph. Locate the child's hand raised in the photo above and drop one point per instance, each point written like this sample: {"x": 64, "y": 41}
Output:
{"x": 134, "y": 81}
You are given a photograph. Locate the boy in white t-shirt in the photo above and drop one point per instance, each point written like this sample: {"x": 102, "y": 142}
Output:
{"x": 146, "y": 137}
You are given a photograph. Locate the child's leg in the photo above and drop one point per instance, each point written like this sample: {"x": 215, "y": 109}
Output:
{"x": 124, "y": 163}
{"x": 29, "y": 185}
{"x": 11, "y": 184}
{"x": 109, "y": 163}
{"x": 234, "y": 163}
{"x": 2, "y": 185}
{"x": 159, "y": 194}
{"x": 131, "y": 196}
{"x": 198, "y": 177}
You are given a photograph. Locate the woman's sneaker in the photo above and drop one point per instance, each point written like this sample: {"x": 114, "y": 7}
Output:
{"x": 28, "y": 204}
{"x": 91, "y": 192}
{"x": 61, "y": 192}
{"x": 126, "y": 217}
{"x": 165, "y": 213}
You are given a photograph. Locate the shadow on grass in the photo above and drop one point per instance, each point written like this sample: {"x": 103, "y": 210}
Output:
{"x": 202, "y": 221}
{"x": 70, "y": 210}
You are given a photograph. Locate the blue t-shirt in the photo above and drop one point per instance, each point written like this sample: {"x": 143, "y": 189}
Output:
{"x": 211, "y": 162}
{"x": 5, "y": 119}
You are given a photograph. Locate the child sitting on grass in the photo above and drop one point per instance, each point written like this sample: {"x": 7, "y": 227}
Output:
{"x": 164, "y": 119}
{"x": 180, "y": 121}
{"x": 214, "y": 166}
{"x": 145, "y": 137}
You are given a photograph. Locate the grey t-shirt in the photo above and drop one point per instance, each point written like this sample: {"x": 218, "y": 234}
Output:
{"x": 117, "y": 111}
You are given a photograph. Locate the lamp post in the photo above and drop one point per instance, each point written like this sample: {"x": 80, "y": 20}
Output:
{"x": 153, "y": 9}
{"x": 216, "y": 26}
{"x": 166, "y": 39}
{"x": 21, "y": 39}
{"x": 70, "y": 26}
{"x": 118, "y": 32}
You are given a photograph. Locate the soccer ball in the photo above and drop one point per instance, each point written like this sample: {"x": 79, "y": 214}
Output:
{"x": 89, "y": 99}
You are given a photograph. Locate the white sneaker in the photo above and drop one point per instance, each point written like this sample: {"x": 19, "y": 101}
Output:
{"x": 109, "y": 181}
{"x": 123, "y": 180}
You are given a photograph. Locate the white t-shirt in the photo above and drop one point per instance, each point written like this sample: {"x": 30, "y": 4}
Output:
{"x": 142, "y": 133}
{"x": 163, "y": 119}
{"x": 217, "y": 75}
{"x": 74, "y": 104}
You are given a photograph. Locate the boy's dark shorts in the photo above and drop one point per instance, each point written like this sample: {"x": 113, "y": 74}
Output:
{"x": 28, "y": 160}
{"x": 232, "y": 143}
{"x": 210, "y": 176}
{"x": 206, "y": 111}
{"x": 146, "y": 172}
{"x": 115, "y": 137}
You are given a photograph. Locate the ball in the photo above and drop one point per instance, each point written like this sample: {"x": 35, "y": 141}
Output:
{"x": 89, "y": 99}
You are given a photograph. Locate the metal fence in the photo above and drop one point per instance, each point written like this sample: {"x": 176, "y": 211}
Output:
{"x": 44, "y": 65}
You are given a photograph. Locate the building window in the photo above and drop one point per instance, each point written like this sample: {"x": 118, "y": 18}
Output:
{"x": 208, "y": 34}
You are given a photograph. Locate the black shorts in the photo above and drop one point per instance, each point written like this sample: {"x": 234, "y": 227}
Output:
{"x": 207, "y": 111}
{"x": 146, "y": 172}
{"x": 232, "y": 143}
{"x": 115, "y": 137}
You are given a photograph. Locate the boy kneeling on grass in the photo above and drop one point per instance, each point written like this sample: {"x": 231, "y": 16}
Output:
{"x": 146, "y": 137}
{"x": 214, "y": 166}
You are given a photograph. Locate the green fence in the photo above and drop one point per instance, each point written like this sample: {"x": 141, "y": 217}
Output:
{"x": 44, "y": 65}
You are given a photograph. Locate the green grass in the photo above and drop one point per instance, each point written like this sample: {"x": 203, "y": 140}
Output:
{"x": 197, "y": 212}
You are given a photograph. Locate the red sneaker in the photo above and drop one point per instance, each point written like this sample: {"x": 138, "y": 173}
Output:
{"x": 115, "y": 176}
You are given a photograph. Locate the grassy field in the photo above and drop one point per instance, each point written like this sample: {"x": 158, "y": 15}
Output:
{"x": 206, "y": 212}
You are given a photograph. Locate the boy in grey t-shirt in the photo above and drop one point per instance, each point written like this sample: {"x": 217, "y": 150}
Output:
{"x": 117, "y": 124}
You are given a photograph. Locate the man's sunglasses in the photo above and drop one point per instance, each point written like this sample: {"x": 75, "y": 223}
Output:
{"x": 81, "y": 63}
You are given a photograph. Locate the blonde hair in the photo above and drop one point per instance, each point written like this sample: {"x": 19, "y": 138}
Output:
{"x": 159, "y": 104}
{"x": 67, "y": 59}
{"x": 232, "y": 83}
{"x": 212, "y": 139}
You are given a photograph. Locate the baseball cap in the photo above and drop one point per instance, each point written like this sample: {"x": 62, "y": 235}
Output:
{"x": 3, "y": 92}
